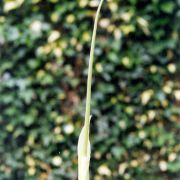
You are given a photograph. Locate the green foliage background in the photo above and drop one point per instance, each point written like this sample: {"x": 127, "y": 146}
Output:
{"x": 44, "y": 51}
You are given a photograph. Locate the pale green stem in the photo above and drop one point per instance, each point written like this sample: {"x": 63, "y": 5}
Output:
{"x": 89, "y": 82}
{"x": 83, "y": 142}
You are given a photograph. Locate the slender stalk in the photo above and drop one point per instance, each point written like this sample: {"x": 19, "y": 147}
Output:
{"x": 83, "y": 143}
{"x": 89, "y": 80}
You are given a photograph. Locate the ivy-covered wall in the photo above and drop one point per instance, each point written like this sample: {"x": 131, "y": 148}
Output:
{"x": 44, "y": 51}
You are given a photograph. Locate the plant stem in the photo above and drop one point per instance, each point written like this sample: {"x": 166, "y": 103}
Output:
{"x": 89, "y": 80}
{"x": 84, "y": 149}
